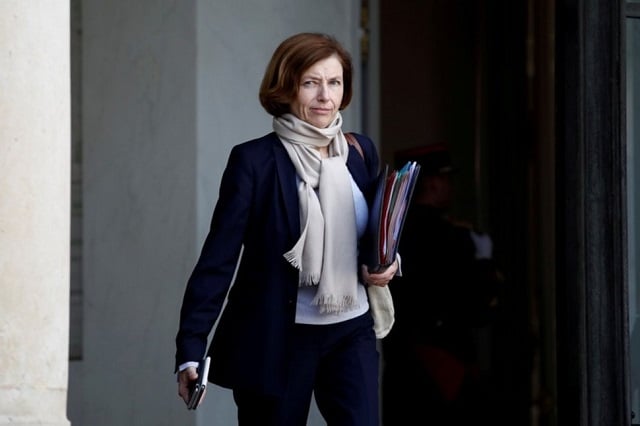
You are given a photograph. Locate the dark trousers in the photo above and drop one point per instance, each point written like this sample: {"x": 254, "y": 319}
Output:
{"x": 338, "y": 364}
{"x": 410, "y": 392}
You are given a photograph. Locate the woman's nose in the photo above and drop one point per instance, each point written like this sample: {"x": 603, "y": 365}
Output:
{"x": 323, "y": 91}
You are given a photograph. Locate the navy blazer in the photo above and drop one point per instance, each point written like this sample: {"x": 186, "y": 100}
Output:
{"x": 256, "y": 219}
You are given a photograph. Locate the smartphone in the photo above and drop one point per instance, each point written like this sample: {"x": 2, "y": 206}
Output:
{"x": 196, "y": 390}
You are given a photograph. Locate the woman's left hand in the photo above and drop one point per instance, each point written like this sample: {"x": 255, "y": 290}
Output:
{"x": 379, "y": 279}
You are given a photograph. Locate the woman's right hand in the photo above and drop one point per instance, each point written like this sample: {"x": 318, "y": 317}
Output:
{"x": 185, "y": 378}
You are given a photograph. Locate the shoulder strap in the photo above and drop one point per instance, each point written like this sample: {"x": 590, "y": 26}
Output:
{"x": 351, "y": 140}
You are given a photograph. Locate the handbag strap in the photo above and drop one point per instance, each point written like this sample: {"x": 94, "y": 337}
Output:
{"x": 351, "y": 140}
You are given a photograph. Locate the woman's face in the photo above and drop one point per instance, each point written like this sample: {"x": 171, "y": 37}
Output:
{"x": 320, "y": 93}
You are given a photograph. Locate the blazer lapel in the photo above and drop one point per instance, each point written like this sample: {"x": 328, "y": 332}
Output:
{"x": 289, "y": 192}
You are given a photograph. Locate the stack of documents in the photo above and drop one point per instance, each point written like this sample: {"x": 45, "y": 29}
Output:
{"x": 388, "y": 211}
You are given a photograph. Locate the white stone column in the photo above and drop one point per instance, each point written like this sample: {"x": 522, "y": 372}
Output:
{"x": 34, "y": 211}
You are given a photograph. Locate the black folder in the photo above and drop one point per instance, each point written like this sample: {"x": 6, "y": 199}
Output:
{"x": 388, "y": 212}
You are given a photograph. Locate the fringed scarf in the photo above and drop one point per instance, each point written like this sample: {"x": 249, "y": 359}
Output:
{"x": 326, "y": 253}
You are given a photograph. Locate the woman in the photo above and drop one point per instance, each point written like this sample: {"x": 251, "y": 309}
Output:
{"x": 297, "y": 318}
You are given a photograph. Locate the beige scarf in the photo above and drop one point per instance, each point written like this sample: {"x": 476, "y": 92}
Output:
{"x": 326, "y": 253}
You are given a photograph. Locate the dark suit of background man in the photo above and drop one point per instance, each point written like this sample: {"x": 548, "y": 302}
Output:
{"x": 448, "y": 288}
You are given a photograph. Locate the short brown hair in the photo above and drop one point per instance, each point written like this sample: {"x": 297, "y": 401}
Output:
{"x": 290, "y": 60}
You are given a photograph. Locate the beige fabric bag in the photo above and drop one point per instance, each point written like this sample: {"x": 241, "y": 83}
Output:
{"x": 382, "y": 309}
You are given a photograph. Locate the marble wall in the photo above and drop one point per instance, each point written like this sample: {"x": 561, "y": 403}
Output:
{"x": 34, "y": 212}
